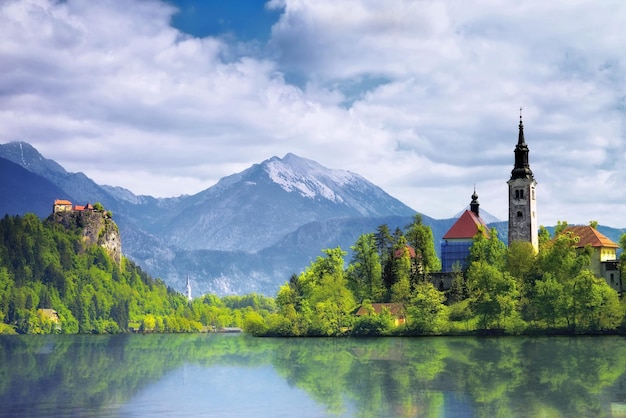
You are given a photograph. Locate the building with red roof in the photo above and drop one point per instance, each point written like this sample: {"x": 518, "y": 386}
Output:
{"x": 604, "y": 262}
{"x": 457, "y": 241}
{"x": 61, "y": 205}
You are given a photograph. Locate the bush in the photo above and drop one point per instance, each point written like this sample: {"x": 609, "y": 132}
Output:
{"x": 459, "y": 311}
{"x": 372, "y": 325}
{"x": 254, "y": 324}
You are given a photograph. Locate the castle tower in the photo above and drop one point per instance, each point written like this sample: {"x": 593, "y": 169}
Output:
{"x": 522, "y": 200}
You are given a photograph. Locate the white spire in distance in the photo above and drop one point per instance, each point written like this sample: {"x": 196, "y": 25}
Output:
{"x": 188, "y": 289}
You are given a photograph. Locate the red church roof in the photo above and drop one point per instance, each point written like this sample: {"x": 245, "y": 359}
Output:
{"x": 590, "y": 236}
{"x": 466, "y": 226}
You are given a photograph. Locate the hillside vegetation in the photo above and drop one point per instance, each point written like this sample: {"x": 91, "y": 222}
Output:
{"x": 54, "y": 279}
{"x": 503, "y": 291}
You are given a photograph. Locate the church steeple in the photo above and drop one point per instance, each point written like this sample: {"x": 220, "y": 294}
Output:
{"x": 474, "y": 205}
{"x": 521, "y": 170}
{"x": 522, "y": 199}
{"x": 188, "y": 289}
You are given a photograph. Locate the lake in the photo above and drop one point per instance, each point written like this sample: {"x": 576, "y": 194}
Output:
{"x": 220, "y": 375}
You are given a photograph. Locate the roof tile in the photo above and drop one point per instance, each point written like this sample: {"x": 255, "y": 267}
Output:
{"x": 466, "y": 226}
{"x": 590, "y": 236}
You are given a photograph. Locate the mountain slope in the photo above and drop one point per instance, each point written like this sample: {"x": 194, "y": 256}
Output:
{"x": 244, "y": 213}
{"x": 253, "y": 209}
{"x": 23, "y": 191}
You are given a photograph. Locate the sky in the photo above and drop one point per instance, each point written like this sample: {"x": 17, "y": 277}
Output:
{"x": 420, "y": 97}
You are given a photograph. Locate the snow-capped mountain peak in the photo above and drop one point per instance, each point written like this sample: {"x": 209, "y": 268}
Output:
{"x": 310, "y": 179}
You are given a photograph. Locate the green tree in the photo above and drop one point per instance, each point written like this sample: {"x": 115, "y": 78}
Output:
{"x": 420, "y": 237}
{"x": 325, "y": 289}
{"x": 427, "y": 310}
{"x": 401, "y": 290}
{"x": 595, "y": 306}
{"x": 488, "y": 249}
{"x": 254, "y": 323}
{"x": 493, "y": 294}
{"x": 384, "y": 244}
{"x": 549, "y": 300}
{"x": 365, "y": 272}
{"x": 560, "y": 257}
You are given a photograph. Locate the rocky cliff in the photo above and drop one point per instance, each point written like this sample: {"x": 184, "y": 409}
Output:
{"x": 96, "y": 227}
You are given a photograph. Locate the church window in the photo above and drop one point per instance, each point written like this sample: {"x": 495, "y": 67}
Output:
{"x": 519, "y": 214}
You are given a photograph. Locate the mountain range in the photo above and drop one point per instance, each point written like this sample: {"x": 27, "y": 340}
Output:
{"x": 247, "y": 233}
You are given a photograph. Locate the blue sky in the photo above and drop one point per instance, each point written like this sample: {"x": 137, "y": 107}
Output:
{"x": 420, "y": 97}
{"x": 246, "y": 20}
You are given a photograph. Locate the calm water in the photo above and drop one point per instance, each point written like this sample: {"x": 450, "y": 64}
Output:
{"x": 241, "y": 376}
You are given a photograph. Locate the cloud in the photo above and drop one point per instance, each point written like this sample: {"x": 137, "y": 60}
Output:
{"x": 420, "y": 97}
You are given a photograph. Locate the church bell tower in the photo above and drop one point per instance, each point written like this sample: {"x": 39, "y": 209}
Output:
{"x": 522, "y": 200}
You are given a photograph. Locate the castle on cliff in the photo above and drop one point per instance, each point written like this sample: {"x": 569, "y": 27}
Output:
{"x": 96, "y": 225}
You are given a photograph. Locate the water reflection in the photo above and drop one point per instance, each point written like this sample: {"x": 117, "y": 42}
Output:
{"x": 223, "y": 375}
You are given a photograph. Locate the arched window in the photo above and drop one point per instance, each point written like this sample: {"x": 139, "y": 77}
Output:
{"x": 519, "y": 214}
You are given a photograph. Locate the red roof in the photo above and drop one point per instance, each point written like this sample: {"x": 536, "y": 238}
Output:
{"x": 466, "y": 226}
{"x": 400, "y": 252}
{"x": 590, "y": 236}
{"x": 62, "y": 202}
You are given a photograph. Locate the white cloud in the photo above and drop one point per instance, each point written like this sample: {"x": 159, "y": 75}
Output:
{"x": 420, "y": 97}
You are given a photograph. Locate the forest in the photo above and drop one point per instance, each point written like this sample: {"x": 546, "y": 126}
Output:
{"x": 45, "y": 266}
{"x": 504, "y": 290}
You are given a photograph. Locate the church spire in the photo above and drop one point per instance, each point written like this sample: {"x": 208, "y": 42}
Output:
{"x": 521, "y": 169}
{"x": 474, "y": 205}
{"x": 520, "y": 138}
{"x": 188, "y": 289}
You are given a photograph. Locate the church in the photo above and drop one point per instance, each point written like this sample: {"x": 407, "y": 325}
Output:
{"x": 523, "y": 225}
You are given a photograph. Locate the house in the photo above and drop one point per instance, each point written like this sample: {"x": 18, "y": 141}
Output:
{"x": 50, "y": 314}
{"x": 604, "y": 262}
{"x": 88, "y": 206}
{"x": 61, "y": 205}
{"x": 395, "y": 309}
{"x": 457, "y": 241}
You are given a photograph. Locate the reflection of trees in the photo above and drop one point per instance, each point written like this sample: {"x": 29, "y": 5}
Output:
{"x": 513, "y": 376}
{"x": 560, "y": 376}
{"x": 382, "y": 377}
{"x": 103, "y": 371}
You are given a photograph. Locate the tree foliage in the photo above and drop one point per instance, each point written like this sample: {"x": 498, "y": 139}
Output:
{"x": 45, "y": 266}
